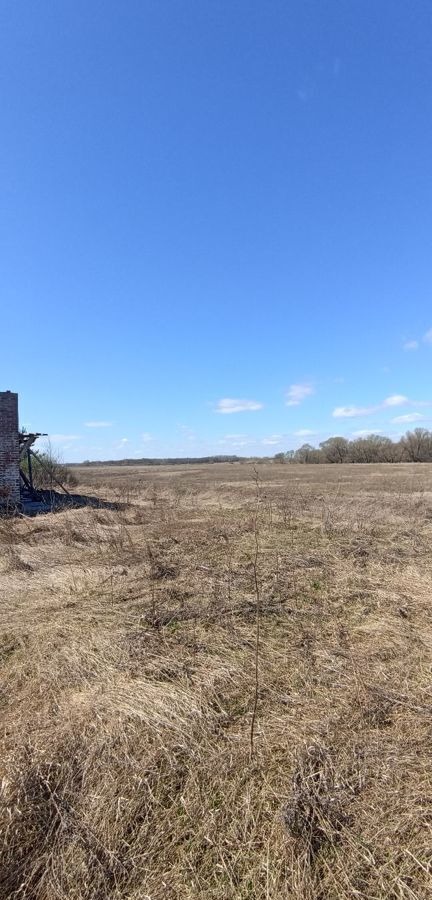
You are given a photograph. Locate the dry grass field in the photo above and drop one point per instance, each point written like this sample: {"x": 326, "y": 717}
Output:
{"x": 137, "y": 644}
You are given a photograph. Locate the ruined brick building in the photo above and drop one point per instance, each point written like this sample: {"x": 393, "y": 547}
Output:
{"x": 18, "y": 492}
{"x": 16, "y": 479}
{"x": 10, "y": 491}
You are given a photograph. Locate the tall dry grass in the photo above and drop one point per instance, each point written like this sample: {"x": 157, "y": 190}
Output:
{"x": 129, "y": 681}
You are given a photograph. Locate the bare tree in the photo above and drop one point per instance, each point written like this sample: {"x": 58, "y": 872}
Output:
{"x": 374, "y": 448}
{"x": 335, "y": 449}
{"x": 307, "y": 454}
{"x": 417, "y": 445}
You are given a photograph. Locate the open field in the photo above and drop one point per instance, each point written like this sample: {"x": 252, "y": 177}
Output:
{"x": 132, "y": 764}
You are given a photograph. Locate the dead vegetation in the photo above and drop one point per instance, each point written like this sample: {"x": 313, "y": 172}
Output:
{"x": 129, "y": 646}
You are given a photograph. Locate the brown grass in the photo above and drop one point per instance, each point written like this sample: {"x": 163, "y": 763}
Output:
{"x": 128, "y": 679}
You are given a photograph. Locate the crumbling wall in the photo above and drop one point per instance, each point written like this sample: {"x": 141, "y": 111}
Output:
{"x": 9, "y": 449}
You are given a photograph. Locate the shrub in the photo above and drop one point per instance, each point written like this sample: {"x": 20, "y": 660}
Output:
{"x": 48, "y": 470}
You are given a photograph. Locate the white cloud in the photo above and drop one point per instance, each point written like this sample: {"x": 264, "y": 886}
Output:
{"x": 304, "y": 432}
{"x": 428, "y": 336}
{"x": 227, "y": 405}
{"x": 396, "y": 400}
{"x": 64, "y": 437}
{"x": 296, "y": 393}
{"x": 146, "y": 437}
{"x": 350, "y": 412}
{"x": 411, "y": 345}
{"x": 97, "y": 424}
{"x": 236, "y": 440}
{"x": 273, "y": 440}
{"x": 409, "y": 417}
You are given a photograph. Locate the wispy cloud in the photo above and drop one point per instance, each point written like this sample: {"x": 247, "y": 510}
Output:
{"x": 146, "y": 437}
{"x": 228, "y": 405}
{"x": 187, "y": 433}
{"x": 64, "y": 437}
{"x": 235, "y": 437}
{"x": 396, "y": 400}
{"x": 98, "y": 424}
{"x": 236, "y": 440}
{"x": 306, "y": 90}
{"x": 351, "y": 412}
{"x": 409, "y": 417}
{"x": 296, "y": 393}
{"x": 272, "y": 440}
{"x": 414, "y": 344}
{"x": 304, "y": 432}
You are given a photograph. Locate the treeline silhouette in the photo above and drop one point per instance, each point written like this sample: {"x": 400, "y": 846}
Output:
{"x": 175, "y": 461}
{"x": 414, "y": 446}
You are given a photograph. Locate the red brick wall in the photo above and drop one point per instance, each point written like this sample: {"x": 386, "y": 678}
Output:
{"x": 9, "y": 449}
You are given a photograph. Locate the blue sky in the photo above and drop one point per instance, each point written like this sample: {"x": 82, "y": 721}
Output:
{"x": 215, "y": 222}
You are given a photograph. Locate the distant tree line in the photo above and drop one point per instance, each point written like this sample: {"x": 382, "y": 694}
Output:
{"x": 176, "y": 461}
{"x": 414, "y": 446}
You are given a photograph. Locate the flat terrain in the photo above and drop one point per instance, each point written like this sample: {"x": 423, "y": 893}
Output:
{"x": 222, "y": 689}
